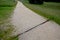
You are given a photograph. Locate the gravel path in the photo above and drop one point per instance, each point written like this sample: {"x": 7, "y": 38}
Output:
{"x": 24, "y": 19}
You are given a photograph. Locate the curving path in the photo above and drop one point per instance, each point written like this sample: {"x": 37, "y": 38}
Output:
{"x": 24, "y": 19}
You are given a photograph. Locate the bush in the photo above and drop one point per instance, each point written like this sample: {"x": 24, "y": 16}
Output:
{"x": 36, "y": 1}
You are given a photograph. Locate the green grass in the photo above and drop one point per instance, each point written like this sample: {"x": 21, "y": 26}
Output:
{"x": 6, "y": 8}
{"x": 49, "y": 10}
{"x": 5, "y": 12}
{"x": 6, "y": 28}
{"x": 7, "y": 2}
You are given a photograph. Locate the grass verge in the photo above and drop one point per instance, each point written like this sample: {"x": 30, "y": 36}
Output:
{"x": 7, "y": 3}
{"x": 6, "y": 28}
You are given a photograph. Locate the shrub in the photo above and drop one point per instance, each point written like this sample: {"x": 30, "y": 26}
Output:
{"x": 36, "y": 1}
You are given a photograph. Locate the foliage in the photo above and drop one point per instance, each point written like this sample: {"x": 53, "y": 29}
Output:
{"x": 36, "y": 1}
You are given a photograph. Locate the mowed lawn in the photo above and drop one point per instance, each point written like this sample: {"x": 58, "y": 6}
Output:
{"x": 50, "y": 10}
{"x": 5, "y": 13}
{"x": 7, "y": 3}
{"x": 6, "y": 10}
